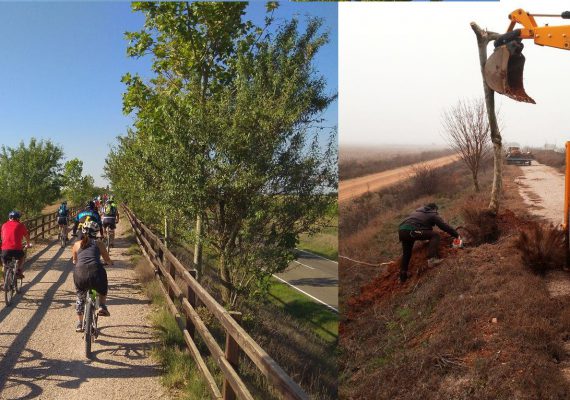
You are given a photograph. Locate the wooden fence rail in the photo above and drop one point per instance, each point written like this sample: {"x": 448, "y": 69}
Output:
{"x": 46, "y": 225}
{"x": 237, "y": 339}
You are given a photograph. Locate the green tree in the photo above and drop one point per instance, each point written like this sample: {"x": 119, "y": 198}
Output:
{"x": 76, "y": 187}
{"x": 225, "y": 130}
{"x": 30, "y": 175}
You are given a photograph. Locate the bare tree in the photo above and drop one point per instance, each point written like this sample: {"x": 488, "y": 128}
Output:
{"x": 483, "y": 39}
{"x": 467, "y": 131}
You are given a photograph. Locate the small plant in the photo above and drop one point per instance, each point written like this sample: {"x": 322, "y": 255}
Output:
{"x": 542, "y": 247}
{"x": 426, "y": 180}
{"x": 481, "y": 225}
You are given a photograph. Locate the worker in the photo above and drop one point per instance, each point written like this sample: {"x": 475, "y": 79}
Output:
{"x": 419, "y": 226}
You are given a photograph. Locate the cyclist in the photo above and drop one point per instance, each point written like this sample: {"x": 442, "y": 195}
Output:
{"x": 110, "y": 219}
{"x": 88, "y": 213}
{"x": 13, "y": 231}
{"x": 62, "y": 216}
{"x": 89, "y": 272}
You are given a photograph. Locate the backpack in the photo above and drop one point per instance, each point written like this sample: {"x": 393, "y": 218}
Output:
{"x": 62, "y": 212}
{"x": 110, "y": 210}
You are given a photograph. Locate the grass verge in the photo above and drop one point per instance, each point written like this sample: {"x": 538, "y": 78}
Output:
{"x": 322, "y": 321}
{"x": 179, "y": 372}
{"x": 325, "y": 242}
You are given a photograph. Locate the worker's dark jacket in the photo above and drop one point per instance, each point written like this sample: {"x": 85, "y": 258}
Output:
{"x": 424, "y": 219}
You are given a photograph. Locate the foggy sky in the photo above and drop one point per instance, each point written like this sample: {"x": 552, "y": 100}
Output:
{"x": 402, "y": 64}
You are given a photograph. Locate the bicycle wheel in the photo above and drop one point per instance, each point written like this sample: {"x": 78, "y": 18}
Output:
{"x": 61, "y": 239}
{"x": 107, "y": 242}
{"x": 9, "y": 286}
{"x": 18, "y": 282}
{"x": 87, "y": 326}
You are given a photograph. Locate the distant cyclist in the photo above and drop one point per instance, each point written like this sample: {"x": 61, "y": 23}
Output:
{"x": 110, "y": 219}
{"x": 13, "y": 231}
{"x": 90, "y": 212}
{"x": 89, "y": 272}
{"x": 62, "y": 218}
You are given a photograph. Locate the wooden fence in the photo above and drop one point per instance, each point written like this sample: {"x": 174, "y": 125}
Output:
{"x": 237, "y": 339}
{"x": 46, "y": 225}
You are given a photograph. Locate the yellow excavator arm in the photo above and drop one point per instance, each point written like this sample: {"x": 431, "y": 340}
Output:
{"x": 553, "y": 36}
{"x": 504, "y": 68}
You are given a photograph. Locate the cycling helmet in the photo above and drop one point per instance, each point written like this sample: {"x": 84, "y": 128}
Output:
{"x": 64, "y": 202}
{"x": 90, "y": 228}
{"x": 90, "y": 204}
{"x": 14, "y": 214}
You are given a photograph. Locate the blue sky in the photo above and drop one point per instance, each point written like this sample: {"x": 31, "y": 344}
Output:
{"x": 61, "y": 65}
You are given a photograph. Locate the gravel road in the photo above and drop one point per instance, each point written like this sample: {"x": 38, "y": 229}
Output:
{"x": 542, "y": 188}
{"x": 41, "y": 355}
{"x": 352, "y": 188}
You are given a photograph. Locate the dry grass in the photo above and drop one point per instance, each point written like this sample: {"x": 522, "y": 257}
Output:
{"x": 542, "y": 247}
{"x": 551, "y": 158}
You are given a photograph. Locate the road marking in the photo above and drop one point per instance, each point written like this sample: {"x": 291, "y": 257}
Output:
{"x": 307, "y": 294}
{"x": 318, "y": 256}
{"x": 304, "y": 265}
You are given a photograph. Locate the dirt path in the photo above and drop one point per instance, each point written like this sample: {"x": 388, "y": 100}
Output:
{"x": 41, "y": 355}
{"x": 542, "y": 188}
{"x": 352, "y": 188}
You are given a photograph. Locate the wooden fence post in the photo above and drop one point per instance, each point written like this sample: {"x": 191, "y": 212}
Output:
{"x": 232, "y": 355}
{"x": 192, "y": 300}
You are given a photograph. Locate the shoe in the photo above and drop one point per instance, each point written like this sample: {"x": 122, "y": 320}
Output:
{"x": 19, "y": 274}
{"x": 434, "y": 261}
{"x": 403, "y": 277}
{"x": 79, "y": 327}
{"x": 103, "y": 312}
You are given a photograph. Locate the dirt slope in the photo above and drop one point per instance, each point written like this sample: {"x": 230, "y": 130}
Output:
{"x": 41, "y": 355}
{"x": 353, "y": 188}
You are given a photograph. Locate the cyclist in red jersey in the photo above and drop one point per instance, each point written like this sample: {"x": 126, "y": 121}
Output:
{"x": 13, "y": 231}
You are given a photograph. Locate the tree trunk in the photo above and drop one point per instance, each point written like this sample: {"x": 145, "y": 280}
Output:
{"x": 476, "y": 182}
{"x": 483, "y": 39}
{"x": 226, "y": 280}
{"x": 198, "y": 248}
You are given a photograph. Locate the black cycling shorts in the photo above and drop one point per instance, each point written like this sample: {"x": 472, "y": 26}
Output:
{"x": 110, "y": 222}
{"x": 62, "y": 220}
{"x": 8, "y": 255}
{"x": 88, "y": 277}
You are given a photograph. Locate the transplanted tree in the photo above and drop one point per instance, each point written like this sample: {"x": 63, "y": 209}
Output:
{"x": 29, "y": 175}
{"x": 483, "y": 39}
{"x": 76, "y": 187}
{"x": 466, "y": 129}
{"x": 224, "y": 130}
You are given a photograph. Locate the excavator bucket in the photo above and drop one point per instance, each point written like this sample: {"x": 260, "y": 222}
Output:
{"x": 504, "y": 72}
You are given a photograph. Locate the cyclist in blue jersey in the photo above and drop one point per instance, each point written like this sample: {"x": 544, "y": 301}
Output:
{"x": 90, "y": 212}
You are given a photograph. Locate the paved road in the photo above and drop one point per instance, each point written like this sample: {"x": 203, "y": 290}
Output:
{"x": 356, "y": 187}
{"x": 315, "y": 276}
{"x": 41, "y": 355}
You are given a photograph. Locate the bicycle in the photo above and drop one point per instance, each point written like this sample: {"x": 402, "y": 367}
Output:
{"x": 90, "y": 318}
{"x": 62, "y": 235}
{"x": 12, "y": 284}
{"x": 107, "y": 238}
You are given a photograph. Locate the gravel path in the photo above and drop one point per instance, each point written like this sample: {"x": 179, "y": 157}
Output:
{"x": 41, "y": 355}
{"x": 542, "y": 188}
